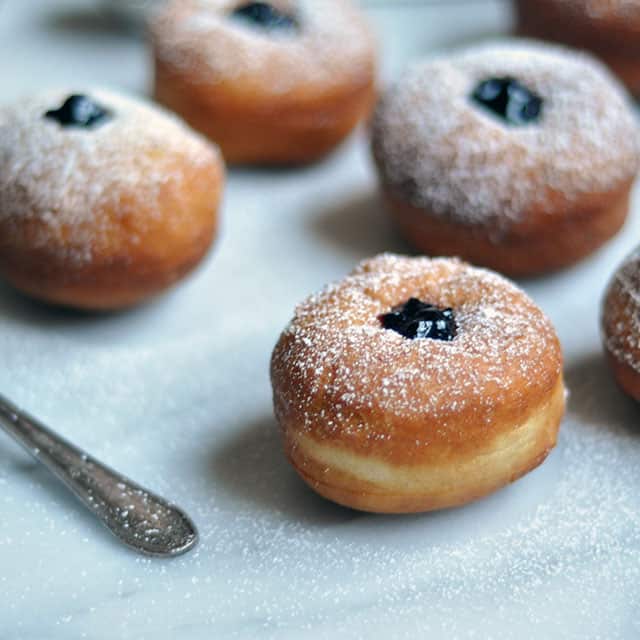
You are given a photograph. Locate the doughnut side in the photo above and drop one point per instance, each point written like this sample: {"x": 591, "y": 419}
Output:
{"x": 455, "y": 477}
{"x": 252, "y": 127}
{"x": 137, "y": 248}
{"x": 540, "y": 244}
{"x": 621, "y": 325}
{"x": 627, "y": 377}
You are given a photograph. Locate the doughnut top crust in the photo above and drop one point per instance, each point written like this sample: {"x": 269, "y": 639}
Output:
{"x": 62, "y": 188}
{"x": 441, "y": 152}
{"x": 621, "y": 313}
{"x": 339, "y": 375}
{"x": 332, "y": 44}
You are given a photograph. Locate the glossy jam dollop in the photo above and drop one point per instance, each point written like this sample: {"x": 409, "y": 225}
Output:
{"x": 417, "y": 319}
{"x": 79, "y": 111}
{"x": 509, "y": 100}
{"x": 265, "y": 16}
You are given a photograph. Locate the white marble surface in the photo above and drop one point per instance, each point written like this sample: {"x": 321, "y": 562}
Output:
{"x": 176, "y": 394}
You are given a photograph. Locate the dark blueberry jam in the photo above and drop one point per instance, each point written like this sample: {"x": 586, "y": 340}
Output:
{"x": 417, "y": 319}
{"x": 509, "y": 100}
{"x": 265, "y": 16}
{"x": 79, "y": 111}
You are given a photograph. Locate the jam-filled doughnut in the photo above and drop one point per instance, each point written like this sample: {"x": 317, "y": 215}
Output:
{"x": 104, "y": 200}
{"x": 621, "y": 324}
{"x": 608, "y": 28}
{"x": 513, "y": 155}
{"x": 272, "y": 83}
{"x": 417, "y": 384}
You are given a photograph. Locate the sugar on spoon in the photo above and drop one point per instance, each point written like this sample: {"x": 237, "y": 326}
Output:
{"x": 139, "y": 518}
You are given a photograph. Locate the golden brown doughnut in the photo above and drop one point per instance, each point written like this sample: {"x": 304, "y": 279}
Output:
{"x": 266, "y": 95}
{"x": 608, "y": 28}
{"x": 104, "y": 214}
{"x": 532, "y": 179}
{"x": 380, "y": 422}
{"x": 621, "y": 324}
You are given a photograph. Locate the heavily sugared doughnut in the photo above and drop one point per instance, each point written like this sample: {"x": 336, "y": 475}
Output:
{"x": 608, "y": 28}
{"x": 513, "y": 155}
{"x": 272, "y": 83}
{"x": 417, "y": 384}
{"x": 621, "y": 324}
{"x": 104, "y": 200}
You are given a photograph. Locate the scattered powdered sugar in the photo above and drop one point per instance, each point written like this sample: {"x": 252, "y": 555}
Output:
{"x": 457, "y": 160}
{"x": 621, "y": 312}
{"x": 543, "y": 567}
{"x": 335, "y": 359}
{"x": 73, "y": 181}
{"x": 198, "y": 37}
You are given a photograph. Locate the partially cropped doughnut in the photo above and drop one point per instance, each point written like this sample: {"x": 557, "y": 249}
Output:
{"x": 621, "y": 324}
{"x": 105, "y": 200}
{"x": 416, "y": 384}
{"x": 608, "y": 28}
{"x": 513, "y": 155}
{"x": 279, "y": 82}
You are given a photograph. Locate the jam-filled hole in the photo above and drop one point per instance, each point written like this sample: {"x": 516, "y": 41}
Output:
{"x": 79, "y": 111}
{"x": 265, "y": 16}
{"x": 416, "y": 319}
{"x": 508, "y": 99}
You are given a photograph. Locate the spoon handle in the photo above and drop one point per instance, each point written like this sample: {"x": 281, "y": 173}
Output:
{"x": 140, "y": 519}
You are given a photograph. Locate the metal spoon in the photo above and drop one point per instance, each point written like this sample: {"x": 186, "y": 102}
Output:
{"x": 140, "y": 519}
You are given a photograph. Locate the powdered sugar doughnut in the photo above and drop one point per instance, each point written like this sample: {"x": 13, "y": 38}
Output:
{"x": 608, "y": 28}
{"x": 514, "y": 155}
{"x": 378, "y": 421}
{"x": 271, "y": 83}
{"x": 621, "y": 324}
{"x": 104, "y": 200}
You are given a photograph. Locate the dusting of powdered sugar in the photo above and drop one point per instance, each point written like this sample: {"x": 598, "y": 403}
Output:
{"x": 336, "y": 353}
{"x": 72, "y": 181}
{"x": 451, "y": 157}
{"x": 200, "y": 39}
{"x": 621, "y": 312}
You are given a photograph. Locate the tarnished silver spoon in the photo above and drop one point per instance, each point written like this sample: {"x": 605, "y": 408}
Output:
{"x": 139, "y": 518}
